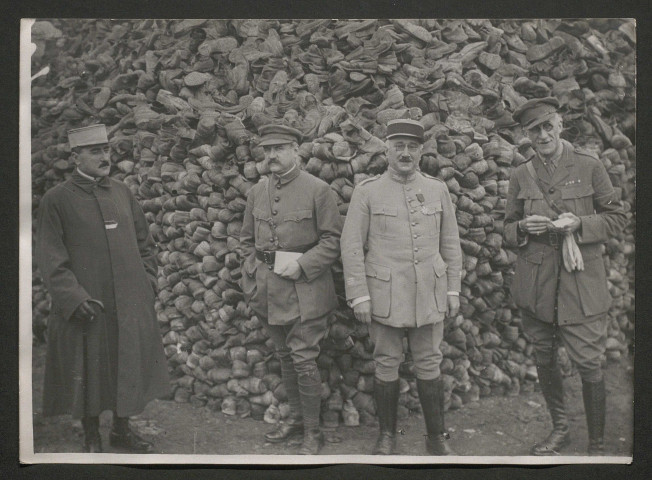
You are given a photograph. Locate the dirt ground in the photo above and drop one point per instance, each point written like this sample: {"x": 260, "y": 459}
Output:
{"x": 491, "y": 426}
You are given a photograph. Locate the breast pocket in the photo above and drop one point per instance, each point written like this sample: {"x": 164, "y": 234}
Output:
{"x": 380, "y": 289}
{"x": 298, "y": 229}
{"x": 579, "y": 199}
{"x": 384, "y": 220}
{"x": 432, "y": 214}
{"x": 532, "y": 199}
{"x": 261, "y": 224}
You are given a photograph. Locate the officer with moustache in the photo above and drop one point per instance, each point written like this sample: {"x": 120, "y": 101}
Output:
{"x": 402, "y": 268}
{"x": 290, "y": 237}
{"x": 562, "y": 302}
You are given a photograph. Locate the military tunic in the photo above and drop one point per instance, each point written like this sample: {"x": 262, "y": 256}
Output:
{"x": 93, "y": 242}
{"x": 581, "y": 182}
{"x": 296, "y": 212}
{"x": 400, "y": 246}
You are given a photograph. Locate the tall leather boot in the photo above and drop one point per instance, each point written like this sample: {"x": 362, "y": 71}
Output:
{"x": 431, "y": 396}
{"x": 293, "y": 426}
{"x": 552, "y": 387}
{"x": 310, "y": 393}
{"x": 595, "y": 406}
{"x": 386, "y": 397}
{"x": 92, "y": 439}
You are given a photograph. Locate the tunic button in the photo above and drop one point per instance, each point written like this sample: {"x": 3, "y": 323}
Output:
{"x": 274, "y": 212}
{"x": 552, "y": 190}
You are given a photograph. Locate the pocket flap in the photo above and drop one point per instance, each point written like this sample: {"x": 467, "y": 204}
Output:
{"x": 297, "y": 215}
{"x": 389, "y": 210}
{"x": 534, "y": 257}
{"x": 530, "y": 193}
{"x": 259, "y": 214}
{"x": 431, "y": 208}
{"x": 377, "y": 271}
{"x": 439, "y": 266}
{"x": 577, "y": 191}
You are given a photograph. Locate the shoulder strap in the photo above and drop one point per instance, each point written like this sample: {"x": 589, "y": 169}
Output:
{"x": 555, "y": 207}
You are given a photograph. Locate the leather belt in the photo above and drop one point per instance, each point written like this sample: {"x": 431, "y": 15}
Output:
{"x": 552, "y": 239}
{"x": 268, "y": 256}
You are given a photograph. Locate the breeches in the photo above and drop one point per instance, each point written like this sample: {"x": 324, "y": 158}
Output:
{"x": 584, "y": 342}
{"x": 298, "y": 341}
{"x": 423, "y": 343}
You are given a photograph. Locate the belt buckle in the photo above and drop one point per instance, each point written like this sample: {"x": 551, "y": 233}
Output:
{"x": 268, "y": 257}
{"x": 553, "y": 237}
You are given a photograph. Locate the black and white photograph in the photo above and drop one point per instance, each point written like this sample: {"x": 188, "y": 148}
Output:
{"x": 327, "y": 241}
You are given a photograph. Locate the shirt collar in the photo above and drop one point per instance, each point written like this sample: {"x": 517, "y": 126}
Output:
{"x": 394, "y": 175}
{"x": 288, "y": 176}
{"x": 88, "y": 183}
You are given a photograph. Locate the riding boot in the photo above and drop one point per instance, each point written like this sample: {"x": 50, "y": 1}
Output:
{"x": 552, "y": 387}
{"x": 431, "y": 396}
{"x": 386, "y": 397}
{"x": 293, "y": 426}
{"x": 594, "y": 406}
{"x": 92, "y": 439}
{"x": 310, "y": 393}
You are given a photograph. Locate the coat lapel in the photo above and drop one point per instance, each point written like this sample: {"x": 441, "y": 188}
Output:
{"x": 563, "y": 168}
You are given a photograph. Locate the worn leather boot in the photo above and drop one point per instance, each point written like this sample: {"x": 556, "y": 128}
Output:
{"x": 122, "y": 436}
{"x": 291, "y": 428}
{"x": 552, "y": 388}
{"x": 386, "y": 397}
{"x": 431, "y": 396}
{"x": 310, "y": 392}
{"x": 92, "y": 439}
{"x": 595, "y": 406}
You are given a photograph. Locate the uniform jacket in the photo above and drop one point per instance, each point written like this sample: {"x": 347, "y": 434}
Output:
{"x": 400, "y": 246}
{"x": 297, "y": 212}
{"x": 93, "y": 242}
{"x": 581, "y": 182}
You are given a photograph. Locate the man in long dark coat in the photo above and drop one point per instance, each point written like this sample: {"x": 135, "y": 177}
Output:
{"x": 560, "y": 302}
{"x": 98, "y": 263}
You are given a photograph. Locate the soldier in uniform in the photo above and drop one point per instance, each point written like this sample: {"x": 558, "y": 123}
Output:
{"x": 292, "y": 215}
{"x": 561, "y": 305}
{"x": 402, "y": 268}
{"x": 98, "y": 262}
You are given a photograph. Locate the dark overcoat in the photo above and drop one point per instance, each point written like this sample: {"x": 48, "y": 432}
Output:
{"x": 93, "y": 242}
{"x": 297, "y": 212}
{"x": 581, "y": 183}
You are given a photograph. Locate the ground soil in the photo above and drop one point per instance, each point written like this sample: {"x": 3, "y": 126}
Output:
{"x": 491, "y": 426}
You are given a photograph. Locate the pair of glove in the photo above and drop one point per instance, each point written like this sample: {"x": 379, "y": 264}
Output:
{"x": 85, "y": 312}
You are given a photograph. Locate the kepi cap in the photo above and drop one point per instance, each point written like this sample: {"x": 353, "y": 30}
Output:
{"x": 404, "y": 127}
{"x": 536, "y": 111}
{"x": 91, "y": 135}
{"x": 278, "y": 135}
